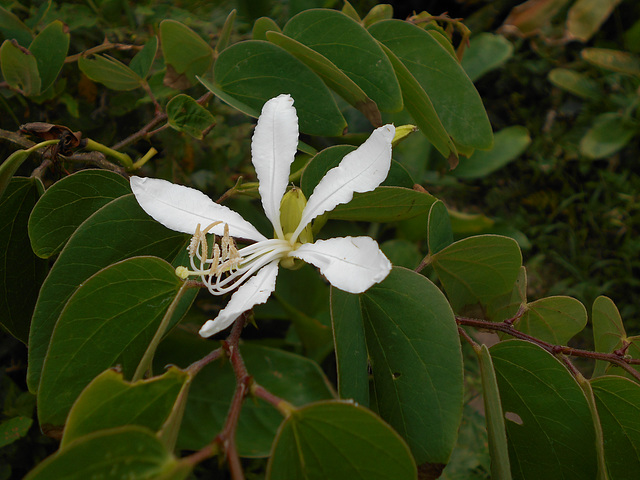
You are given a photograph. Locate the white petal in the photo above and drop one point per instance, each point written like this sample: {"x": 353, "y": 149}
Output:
{"x": 273, "y": 148}
{"x": 352, "y": 264}
{"x": 256, "y": 291}
{"x": 360, "y": 171}
{"x": 182, "y": 208}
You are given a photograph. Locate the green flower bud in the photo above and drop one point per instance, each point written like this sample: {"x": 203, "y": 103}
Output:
{"x": 291, "y": 207}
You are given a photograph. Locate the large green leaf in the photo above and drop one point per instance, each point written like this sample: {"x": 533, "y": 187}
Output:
{"x": 338, "y": 440}
{"x": 110, "y": 72}
{"x": 618, "y": 403}
{"x": 550, "y": 431}
{"x": 486, "y": 52}
{"x": 352, "y": 49}
{"x": 609, "y": 133}
{"x": 184, "y": 50}
{"x": 608, "y": 330}
{"x": 132, "y": 296}
{"x": 50, "y": 48}
{"x": 19, "y": 68}
{"x": 415, "y": 355}
{"x": 109, "y": 401}
{"x": 126, "y": 452}
{"x": 384, "y": 204}
{"x": 440, "y": 75}
{"x": 22, "y": 272}
{"x": 186, "y": 115}
{"x": 553, "y": 319}
{"x": 254, "y": 71}
{"x": 68, "y": 203}
{"x": 119, "y": 230}
{"x": 477, "y": 269}
{"x": 12, "y": 27}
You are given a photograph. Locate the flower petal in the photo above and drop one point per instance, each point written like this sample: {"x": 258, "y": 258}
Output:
{"x": 273, "y": 148}
{"x": 360, "y": 171}
{"x": 256, "y": 291}
{"x": 182, "y": 208}
{"x": 352, "y": 264}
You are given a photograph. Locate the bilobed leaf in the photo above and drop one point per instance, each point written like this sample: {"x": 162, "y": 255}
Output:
{"x": 340, "y": 441}
{"x": 187, "y": 115}
{"x": 549, "y": 425}
{"x": 553, "y": 319}
{"x": 486, "y": 52}
{"x": 68, "y": 203}
{"x": 19, "y": 68}
{"x": 615, "y": 60}
{"x": 618, "y": 404}
{"x": 586, "y": 16}
{"x": 14, "y": 429}
{"x": 575, "y": 82}
{"x": 183, "y": 49}
{"x": 254, "y": 71}
{"x": 609, "y": 133}
{"x": 477, "y": 269}
{"x": 351, "y": 49}
{"x": 384, "y": 204}
{"x": 141, "y": 63}
{"x": 453, "y": 95}
{"x": 608, "y": 330}
{"x": 416, "y": 360}
{"x": 119, "y": 230}
{"x": 132, "y": 296}
{"x": 50, "y": 48}
{"x": 125, "y": 452}
{"x": 22, "y": 272}
{"x": 110, "y": 72}
{"x": 439, "y": 233}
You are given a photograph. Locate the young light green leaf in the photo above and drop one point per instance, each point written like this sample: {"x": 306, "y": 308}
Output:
{"x": 187, "y": 115}
{"x": 50, "y": 48}
{"x": 68, "y": 203}
{"x": 553, "y": 319}
{"x": 377, "y": 14}
{"x": 110, "y": 72}
{"x": 133, "y": 296}
{"x": 185, "y": 52}
{"x": 609, "y": 133}
{"x": 439, "y": 233}
{"x": 586, "y": 16}
{"x": 22, "y": 272}
{"x": 549, "y": 425}
{"x": 141, "y": 63}
{"x": 486, "y": 52}
{"x": 416, "y": 360}
{"x": 340, "y": 441}
{"x": 575, "y": 82}
{"x": 19, "y": 68}
{"x": 9, "y": 167}
{"x": 608, "y": 330}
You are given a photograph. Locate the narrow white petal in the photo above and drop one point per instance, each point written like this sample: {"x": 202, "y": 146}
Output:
{"x": 182, "y": 208}
{"x": 273, "y": 148}
{"x": 360, "y": 171}
{"x": 256, "y": 291}
{"x": 352, "y": 264}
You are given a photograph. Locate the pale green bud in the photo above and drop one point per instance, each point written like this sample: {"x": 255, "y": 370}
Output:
{"x": 291, "y": 207}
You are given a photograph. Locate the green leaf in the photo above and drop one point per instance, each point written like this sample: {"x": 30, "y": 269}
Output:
{"x": 477, "y": 269}
{"x": 19, "y": 68}
{"x": 500, "y": 467}
{"x": 119, "y": 230}
{"x": 439, "y": 233}
{"x": 225, "y": 33}
{"x": 133, "y": 296}
{"x": 350, "y": 48}
{"x": 109, "y": 401}
{"x": 126, "y": 452}
{"x": 9, "y": 167}
{"x": 50, "y": 48}
{"x": 414, "y": 350}
{"x": 384, "y": 204}
{"x": 338, "y": 440}
{"x": 184, "y": 50}
{"x": 550, "y": 431}
{"x": 608, "y": 330}
{"x": 507, "y": 306}
{"x": 254, "y": 71}
{"x": 13, "y": 429}
{"x": 586, "y": 16}
{"x": 615, "y": 60}
{"x": 187, "y": 115}
{"x": 377, "y": 14}
{"x": 262, "y": 26}
{"x": 295, "y": 378}
{"x": 440, "y": 75}
{"x": 12, "y": 27}
{"x": 143, "y": 60}
{"x": 68, "y": 203}
{"x": 335, "y": 78}
{"x": 553, "y": 319}
{"x": 402, "y": 253}
{"x": 350, "y": 346}
{"x": 22, "y": 272}
{"x": 575, "y": 82}
{"x": 609, "y": 133}
{"x": 110, "y": 72}
{"x": 486, "y": 52}
{"x": 509, "y": 144}
{"x": 618, "y": 403}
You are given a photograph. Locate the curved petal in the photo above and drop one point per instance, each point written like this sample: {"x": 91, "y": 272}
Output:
{"x": 182, "y": 208}
{"x": 273, "y": 148}
{"x": 360, "y": 171}
{"x": 256, "y": 291}
{"x": 352, "y": 264}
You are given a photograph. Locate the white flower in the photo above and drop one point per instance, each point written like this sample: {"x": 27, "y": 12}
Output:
{"x": 352, "y": 264}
